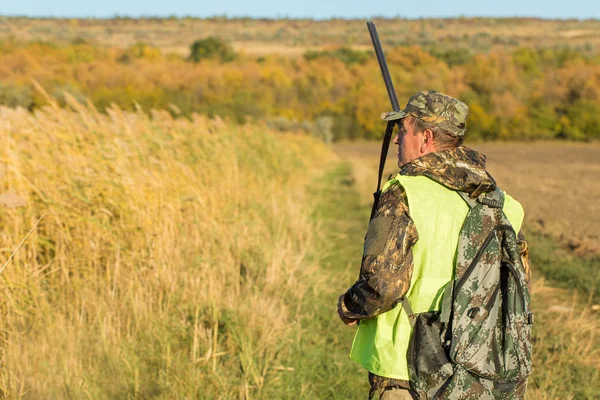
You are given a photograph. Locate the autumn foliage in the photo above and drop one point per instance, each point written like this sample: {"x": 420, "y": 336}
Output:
{"x": 523, "y": 93}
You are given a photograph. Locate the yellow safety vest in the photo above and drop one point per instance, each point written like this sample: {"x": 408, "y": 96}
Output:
{"x": 381, "y": 343}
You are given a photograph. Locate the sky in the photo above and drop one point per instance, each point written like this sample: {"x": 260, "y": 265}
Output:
{"x": 318, "y": 9}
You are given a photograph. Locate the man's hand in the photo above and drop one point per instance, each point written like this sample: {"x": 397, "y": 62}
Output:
{"x": 340, "y": 309}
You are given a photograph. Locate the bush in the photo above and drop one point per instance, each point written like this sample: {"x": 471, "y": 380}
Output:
{"x": 211, "y": 47}
{"x": 140, "y": 50}
{"x": 584, "y": 121}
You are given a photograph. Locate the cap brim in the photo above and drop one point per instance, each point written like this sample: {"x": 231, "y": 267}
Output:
{"x": 393, "y": 115}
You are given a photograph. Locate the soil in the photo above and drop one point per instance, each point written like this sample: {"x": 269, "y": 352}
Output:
{"x": 558, "y": 184}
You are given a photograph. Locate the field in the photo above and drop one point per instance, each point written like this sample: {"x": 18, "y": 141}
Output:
{"x": 556, "y": 182}
{"x": 523, "y": 79}
{"x": 182, "y": 259}
{"x": 293, "y": 37}
{"x": 200, "y": 219}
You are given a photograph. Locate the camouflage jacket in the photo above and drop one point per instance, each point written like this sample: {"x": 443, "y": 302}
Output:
{"x": 387, "y": 262}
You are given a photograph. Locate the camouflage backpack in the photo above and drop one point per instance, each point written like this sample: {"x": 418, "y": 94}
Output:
{"x": 479, "y": 345}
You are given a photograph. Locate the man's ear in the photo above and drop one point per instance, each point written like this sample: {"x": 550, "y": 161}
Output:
{"x": 427, "y": 144}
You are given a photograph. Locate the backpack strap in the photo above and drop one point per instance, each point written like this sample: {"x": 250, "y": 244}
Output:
{"x": 409, "y": 311}
{"x": 493, "y": 199}
{"x": 446, "y": 306}
{"x": 447, "y": 298}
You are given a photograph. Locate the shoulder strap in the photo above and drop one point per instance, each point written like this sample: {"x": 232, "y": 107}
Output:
{"x": 409, "y": 311}
{"x": 389, "y": 129}
{"x": 493, "y": 199}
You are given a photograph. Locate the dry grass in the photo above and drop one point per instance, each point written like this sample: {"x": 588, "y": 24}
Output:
{"x": 567, "y": 347}
{"x": 167, "y": 260}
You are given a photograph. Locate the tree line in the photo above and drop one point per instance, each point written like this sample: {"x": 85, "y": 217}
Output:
{"x": 513, "y": 94}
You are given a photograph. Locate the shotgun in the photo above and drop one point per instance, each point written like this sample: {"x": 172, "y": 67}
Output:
{"x": 387, "y": 79}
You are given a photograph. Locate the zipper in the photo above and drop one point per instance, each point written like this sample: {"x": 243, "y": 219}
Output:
{"x": 495, "y": 354}
{"x": 478, "y": 256}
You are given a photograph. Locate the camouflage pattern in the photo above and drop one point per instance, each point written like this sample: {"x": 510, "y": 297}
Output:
{"x": 389, "y": 269}
{"x": 465, "y": 385}
{"x": 461, "y": 169}
{"x": 429, "y": 366}
{"x": 491, "y": 319}
{"x": 380, "y": 385}
{"x": 435, "y": 108}
{"x": 387, "y": 264}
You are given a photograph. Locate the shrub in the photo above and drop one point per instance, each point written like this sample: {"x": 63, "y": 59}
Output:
{"x": 140, "y": 50}
{"x": 211, "y": 47}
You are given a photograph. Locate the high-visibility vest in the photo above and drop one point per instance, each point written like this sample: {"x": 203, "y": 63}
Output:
{"x": 381, "y": 343}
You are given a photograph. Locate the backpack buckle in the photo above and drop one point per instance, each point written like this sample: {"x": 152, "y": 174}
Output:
{"x": 530, "y": 318}
{"x": 479, "y": 190}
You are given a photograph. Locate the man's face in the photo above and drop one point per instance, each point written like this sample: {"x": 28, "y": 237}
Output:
{"x": 409, "y": 143}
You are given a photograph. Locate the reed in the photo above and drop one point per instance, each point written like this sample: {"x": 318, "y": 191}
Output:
{"x": 168, "y": 258}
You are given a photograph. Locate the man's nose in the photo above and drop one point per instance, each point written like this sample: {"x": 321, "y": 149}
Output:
{"x": 396, "y": 138}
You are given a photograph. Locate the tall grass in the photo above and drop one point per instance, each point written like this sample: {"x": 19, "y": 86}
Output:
{"x": 169, "y": 259}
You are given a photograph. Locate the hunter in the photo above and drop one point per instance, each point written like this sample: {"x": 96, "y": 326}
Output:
{"x": 411, "y": 252}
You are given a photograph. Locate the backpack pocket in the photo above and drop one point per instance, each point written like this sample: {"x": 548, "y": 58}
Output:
{"x": 495, "y": 343}
{"x": 479, "y": 349}
{"x": 429, "y": 367}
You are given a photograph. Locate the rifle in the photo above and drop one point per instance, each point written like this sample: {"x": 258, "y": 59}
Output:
{"x": 395, "y": 106}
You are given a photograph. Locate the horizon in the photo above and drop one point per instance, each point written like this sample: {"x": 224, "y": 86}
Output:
{"x": 292, "y": 18}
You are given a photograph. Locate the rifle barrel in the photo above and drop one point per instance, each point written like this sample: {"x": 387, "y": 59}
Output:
{"x": 387, "y": 79}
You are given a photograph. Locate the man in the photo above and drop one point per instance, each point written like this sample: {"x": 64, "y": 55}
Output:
{"x": 410, "y": 246}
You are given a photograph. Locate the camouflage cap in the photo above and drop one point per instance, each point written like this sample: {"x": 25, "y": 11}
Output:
{"x": 436, "y": 108}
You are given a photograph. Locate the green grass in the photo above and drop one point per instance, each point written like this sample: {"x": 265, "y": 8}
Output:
{"x": 319, "y": 352}
{"x": 563, "y": 269}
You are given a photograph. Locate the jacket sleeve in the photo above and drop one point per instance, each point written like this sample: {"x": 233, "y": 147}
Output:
{"x": 387, "y": 262}
{"x": 524, "y": 253}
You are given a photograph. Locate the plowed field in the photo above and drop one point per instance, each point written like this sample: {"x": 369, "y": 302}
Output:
{"x": 557, "y": 183}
